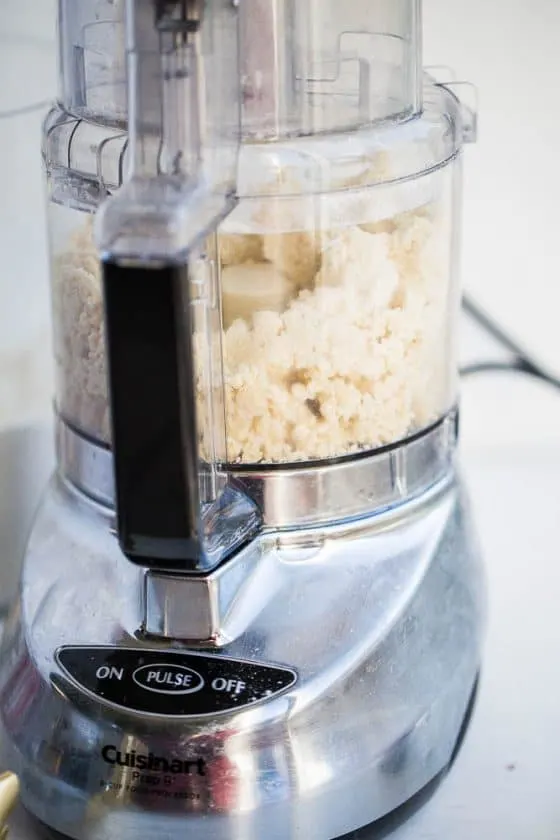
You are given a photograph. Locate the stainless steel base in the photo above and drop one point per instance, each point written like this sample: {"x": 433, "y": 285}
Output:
{"x": 381, "y": 620}
{"x": 382, "y": 828}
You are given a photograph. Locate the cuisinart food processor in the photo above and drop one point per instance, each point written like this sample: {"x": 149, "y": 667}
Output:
{"x": 252, "y": 601}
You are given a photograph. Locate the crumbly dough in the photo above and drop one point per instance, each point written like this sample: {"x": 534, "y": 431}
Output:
{"x": 334, "y": 342}
{"x": 356, "y": 362}
{"x": 80, "y": 336}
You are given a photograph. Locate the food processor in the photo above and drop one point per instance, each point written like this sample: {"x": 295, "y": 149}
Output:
{"x": 252, "y": 601}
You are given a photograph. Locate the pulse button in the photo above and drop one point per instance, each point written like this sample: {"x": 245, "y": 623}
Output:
{"x": 168, "y": 678}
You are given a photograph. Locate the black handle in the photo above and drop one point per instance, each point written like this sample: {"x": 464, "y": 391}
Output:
{"x": 152, "y": 399}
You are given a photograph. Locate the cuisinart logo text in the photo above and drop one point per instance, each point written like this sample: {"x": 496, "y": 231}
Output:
{"x": 141, "y": 761}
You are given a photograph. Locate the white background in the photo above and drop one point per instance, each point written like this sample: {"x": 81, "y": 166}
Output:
{"x": 511, "y": 427}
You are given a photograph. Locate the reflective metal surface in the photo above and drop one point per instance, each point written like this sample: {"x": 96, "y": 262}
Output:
{"x": 197, "y": 608}
{"x": 302, "y": 495}
{"x": 87, "y": 465}
{"x": 206, "y": 609}
{"x": 382, "y": 623}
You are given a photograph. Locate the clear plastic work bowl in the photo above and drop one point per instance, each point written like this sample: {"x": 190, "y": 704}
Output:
{"x": 337, "y": 336}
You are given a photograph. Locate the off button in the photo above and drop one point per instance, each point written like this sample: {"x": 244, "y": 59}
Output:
{"x": 168, "y": 678}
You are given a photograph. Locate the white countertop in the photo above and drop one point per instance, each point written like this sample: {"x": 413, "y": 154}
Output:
{"x": 504, "y": 785}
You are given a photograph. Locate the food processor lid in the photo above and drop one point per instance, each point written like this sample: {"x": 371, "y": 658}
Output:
{"x": 174, "y": 512}
{"x": 311, "y": 66}
{"x": 307, "y": 65}
{"x": 328, "y": 165}
{"x": 92, "y": 58}
{"x": 338, "y": 86}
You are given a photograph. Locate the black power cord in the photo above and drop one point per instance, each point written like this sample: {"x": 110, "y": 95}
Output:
{"x": 521, "y": 361}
